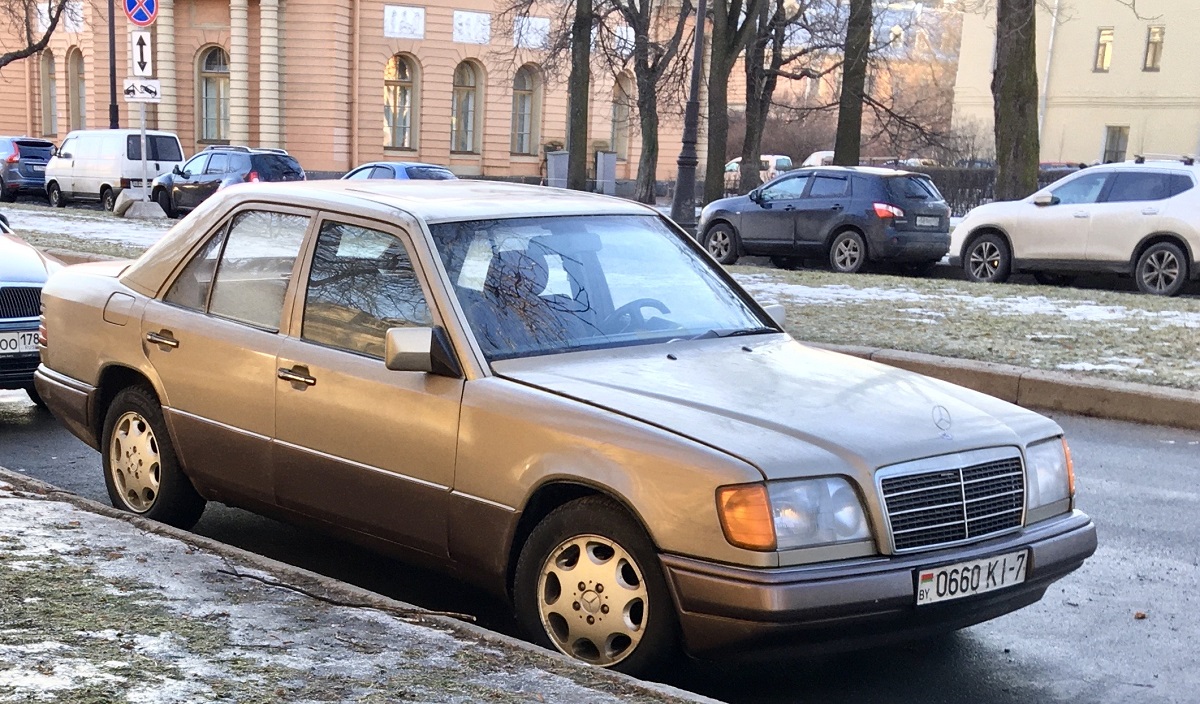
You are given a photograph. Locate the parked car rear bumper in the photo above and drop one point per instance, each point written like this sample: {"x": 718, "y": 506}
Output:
{"x": 70, "y": 400}
{"x": 898, "y": 245}
{"x": 859, "y": 603}
{"x": 14, "y": 183}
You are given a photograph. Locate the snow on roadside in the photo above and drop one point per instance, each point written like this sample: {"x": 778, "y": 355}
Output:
{"x": 94, "y": 224}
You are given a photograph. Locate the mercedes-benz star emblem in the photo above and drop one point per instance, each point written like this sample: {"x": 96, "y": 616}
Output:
{"x": 941, "y": 418}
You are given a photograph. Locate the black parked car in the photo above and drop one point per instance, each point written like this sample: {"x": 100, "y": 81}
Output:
{"x": 23, "y": 270}
{"x": 844, "y": 215}
{"x": 217, "y": 167}
{"x": 23, "y": 166}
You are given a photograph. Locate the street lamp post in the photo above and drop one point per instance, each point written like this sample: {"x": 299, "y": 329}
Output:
{"x": 114, "y": 117}
{"x": 683, "y": 206}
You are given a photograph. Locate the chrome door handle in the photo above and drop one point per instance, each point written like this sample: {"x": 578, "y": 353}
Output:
{"x": 162, "y": 338}
{"x": 295, "y": 376}
{"x": 1150, "y": 211}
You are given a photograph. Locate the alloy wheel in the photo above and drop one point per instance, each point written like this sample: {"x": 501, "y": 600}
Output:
{"x": 719, "y": 244}
{"x": 985, "y": 260}
{"x": 847, "y": 254}
{"x": 135, "y": 462}
{"x": 1160, "y": 271}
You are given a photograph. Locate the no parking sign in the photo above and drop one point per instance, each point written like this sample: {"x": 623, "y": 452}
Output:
{"x": 141, "y": 12}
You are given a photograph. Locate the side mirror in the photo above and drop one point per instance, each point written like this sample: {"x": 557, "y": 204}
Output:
{"x": 756, "y": 195}
{"x": 420, "y": 350}
{"x": 1044, "y": 199}
{"x": 65, "y": 155}
{"x": 177, "y": 171}
{"x": 777, "y": 312}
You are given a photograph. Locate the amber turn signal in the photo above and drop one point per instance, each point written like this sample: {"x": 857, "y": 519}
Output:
{"x": 746, "y": 516}
{"x": 1070, "y": 468}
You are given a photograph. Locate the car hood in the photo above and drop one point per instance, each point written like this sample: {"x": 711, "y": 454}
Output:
{"x": 788, "y": 409}
{"x": 21, "y": 263}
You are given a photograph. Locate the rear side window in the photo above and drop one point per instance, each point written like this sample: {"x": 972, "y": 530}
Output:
{"x": 430, "y": 173}
{"x": 275, "y": 167}
{"x": 913, "y": 188}
{"x": 255, "y": 266}
{"x": 828, "y": 187}
{"x": 1135, "y": 186}
{"x": 159, "y": 147}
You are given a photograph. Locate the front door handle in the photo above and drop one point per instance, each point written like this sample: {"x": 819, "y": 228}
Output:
{"x": 297, "y": 375}
{"x": 836, "y": 206}
{"x": 162, "y": 338}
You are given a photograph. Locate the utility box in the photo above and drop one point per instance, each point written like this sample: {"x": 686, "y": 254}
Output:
{"x": 606, "y": 173}
{"x": 556, "y": 169}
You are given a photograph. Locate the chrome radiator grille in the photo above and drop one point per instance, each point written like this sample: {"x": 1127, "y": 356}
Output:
{"x": 20, "y": 302}
{"x": 940, "y": 507}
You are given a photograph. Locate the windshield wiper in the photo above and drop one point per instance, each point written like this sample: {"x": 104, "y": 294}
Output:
{"x": 734, "y": 332}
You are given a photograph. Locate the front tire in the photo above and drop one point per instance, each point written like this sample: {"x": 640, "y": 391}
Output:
{"x": 1162, "y": 270}
{"x": 164, "y": 202}
{"x": 141, "y": 471}
{"x": 721, "y": 241}
{"x": 847, "y": 252}
{"x": 54, "y": 196}
{"x": 988, "y": 260}
{"x": 588, "y": 584}
{"x": 34, "y": 396}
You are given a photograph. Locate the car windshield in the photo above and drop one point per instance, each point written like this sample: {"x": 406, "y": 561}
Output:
{"x": 533, "y": 286}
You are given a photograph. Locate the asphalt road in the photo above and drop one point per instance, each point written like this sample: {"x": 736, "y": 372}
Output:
{"x": 1082, "y": 644}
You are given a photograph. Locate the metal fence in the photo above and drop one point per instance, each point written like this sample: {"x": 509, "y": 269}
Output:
{"x": 966, "y": 188}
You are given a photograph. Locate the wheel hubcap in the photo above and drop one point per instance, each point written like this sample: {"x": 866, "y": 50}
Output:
{"x": 846, "y": 254}
{"x": 719, "y": 244}
{"x": 985, "y": 261}
{"x": 592, "y": 600}
{"x": 1160, "y": 271}
{"x": 134, "y": 462}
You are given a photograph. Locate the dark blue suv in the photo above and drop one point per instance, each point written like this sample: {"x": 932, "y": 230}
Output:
{"x": 23, "y": 166}
{"x": 846, "y": 216}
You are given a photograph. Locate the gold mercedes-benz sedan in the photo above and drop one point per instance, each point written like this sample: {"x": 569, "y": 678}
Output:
{"x": 561, "y": 397}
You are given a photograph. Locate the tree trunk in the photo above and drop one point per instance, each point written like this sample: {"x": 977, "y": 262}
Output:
{"x": 848, "y": 147}
{"x": 720, "y": 68}
{"x": 578, "y": 87}
{"x": 1015, "y": 96}
{"x": 647, "y": 174}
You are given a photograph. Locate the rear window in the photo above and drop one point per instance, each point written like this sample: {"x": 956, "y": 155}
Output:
{"x": 913, "y": 187}
{"x": 274, "y": 167}
{"x": 430, "y": 173}
{"x": 160, "y": 147}
{"x": 35, "y": 149}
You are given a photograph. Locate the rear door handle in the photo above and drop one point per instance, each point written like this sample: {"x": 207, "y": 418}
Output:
{"x": 162, "y": 338}
{"x": 296, "y": 375}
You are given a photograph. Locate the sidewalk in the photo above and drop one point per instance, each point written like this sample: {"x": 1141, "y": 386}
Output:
{"x": 99, "y": 606}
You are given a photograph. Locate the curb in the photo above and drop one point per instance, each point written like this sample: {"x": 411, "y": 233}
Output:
{"x": 1047, "y": 390}
{"x": 348, "y": 592}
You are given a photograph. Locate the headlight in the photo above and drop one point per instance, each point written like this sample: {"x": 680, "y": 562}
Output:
{"x": 1050, "y": 475}
{"x": 793, "y": 514}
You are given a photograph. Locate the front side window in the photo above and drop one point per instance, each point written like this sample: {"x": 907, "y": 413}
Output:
{"x": 361, "y": 174}
{"x": 1104, "y": 47}
{"x": 195, "y": 166}
{"x": 399, "y": 101}
{"x": 1154, "y": 48}
{"x": 524, "y": 110}
{"x": 361, "y": 284}
{"x": 462, "y": 114}
{"x": 786, "y": 189}
{"x": 214, "y": 95}
{"x": 1135, "y": 186}
{"x": 533, "y": 286}
{"x": 1081, "y": 191}
{"x": 255, "y": 266}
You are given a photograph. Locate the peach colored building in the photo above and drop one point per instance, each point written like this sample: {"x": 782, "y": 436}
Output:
{"x": 336, "y": 83}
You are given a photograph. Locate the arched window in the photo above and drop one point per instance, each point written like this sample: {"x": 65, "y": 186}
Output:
{"x": 77, "y": 85}
{"x": 527, "y": 110}
{"x": 462, "y": 112}
{"x": 214, "y": 95}
{"x": 49, "y": 95}
{"x": 622, "y": 97}
{"x": 399, "y": 103}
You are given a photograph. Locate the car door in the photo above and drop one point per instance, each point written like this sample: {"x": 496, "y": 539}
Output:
{"x": 62, "y": 166}
{"x": 212, "y": 340}
{"x": 187, "y": 183}
{"x": 357, "y": 444}
{"x": 214, "y": 176}
{"x": 1059, "y": 232}
{"x": 1130, "y": 209}
{"x": 768, "y": 225}
{"x": 823, "y": 206}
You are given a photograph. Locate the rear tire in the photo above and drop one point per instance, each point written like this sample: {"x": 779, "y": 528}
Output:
{"x": 847, "y": 252}
{"x": 108, "y": 199}
{"x": 54, "y": 196}
{"x": 988, "y": 260}
{"x": 141, "y": 471}
{"x": 1162, "y": 270}
{"x": 721, "y": 241}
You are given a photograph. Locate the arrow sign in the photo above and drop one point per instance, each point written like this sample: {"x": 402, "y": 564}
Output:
{"x": 141, "y": 12}
{"x": 141, "y": 54}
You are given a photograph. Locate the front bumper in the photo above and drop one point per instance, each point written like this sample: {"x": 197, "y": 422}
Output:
{"x": 860, "y": 603}
{"x": 908, "y": 246}
{"x": 71, "y": 401}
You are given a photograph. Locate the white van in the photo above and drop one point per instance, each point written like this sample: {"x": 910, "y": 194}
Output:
{"x": 98, "y": 164}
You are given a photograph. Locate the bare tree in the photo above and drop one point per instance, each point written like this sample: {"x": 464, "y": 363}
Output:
{"x": 24, "y": 22}
{"x": 848, "y": 146}
{"x": 1015, "y": 96}
{"x": 578, "y": 89}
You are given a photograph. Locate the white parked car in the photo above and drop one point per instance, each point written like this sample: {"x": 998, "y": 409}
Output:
{"x": 1139, "y": 218}
{"x": 99, "y": 164}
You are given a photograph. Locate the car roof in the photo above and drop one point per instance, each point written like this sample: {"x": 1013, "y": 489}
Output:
{"x": 382, "y": 199}
{"x": 405, "y": 164}
{"x": 865, "y": 170}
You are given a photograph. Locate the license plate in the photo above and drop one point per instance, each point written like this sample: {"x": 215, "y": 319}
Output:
{"x": 928, "y": 221}
{"x": 17, "y": 342}
{"x": 971, "y": 578}
{"x": 38, "y": 167}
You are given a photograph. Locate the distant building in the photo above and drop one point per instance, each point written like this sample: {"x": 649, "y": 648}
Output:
{"x": 1112, "y": 84}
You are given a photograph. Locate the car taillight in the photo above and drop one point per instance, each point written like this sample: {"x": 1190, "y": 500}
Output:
{"x": 125, "y": 183}
{"x": 14, "y": 157}
{"x": 42, "y": 335}
{"x": 252, "y": 177}
{"x": 885, "y": 210}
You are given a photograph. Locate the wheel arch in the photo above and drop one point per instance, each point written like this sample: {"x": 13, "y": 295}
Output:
{"x": 1150, "y": 240}
{"x": 722, "y": 219}
{"x": 115, "y": 378}
{"x": 845, "y": 227}
{"x": 987, "y": 230}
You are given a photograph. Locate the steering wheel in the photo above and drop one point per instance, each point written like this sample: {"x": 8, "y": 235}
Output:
{"x": 631, "y": 312}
